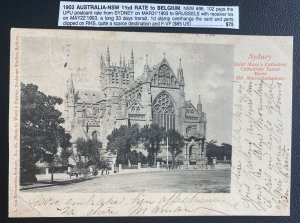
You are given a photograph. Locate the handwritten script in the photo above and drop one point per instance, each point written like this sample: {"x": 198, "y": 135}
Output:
{"x": 139, "y": 204}
{"x": 261, "y": 170}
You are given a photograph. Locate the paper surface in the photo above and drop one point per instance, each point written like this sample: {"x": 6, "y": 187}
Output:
{"x": 260, "y": 134}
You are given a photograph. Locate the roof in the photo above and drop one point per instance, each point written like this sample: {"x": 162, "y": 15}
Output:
{"x": 78, "y": 132}
{"x": 91, "y": 96}
{"x": 191, "y": 111}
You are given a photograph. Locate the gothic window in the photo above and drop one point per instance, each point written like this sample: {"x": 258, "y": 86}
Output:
{"x": 190, "y": 111}
{"x": 137, "y": 125}
{"x": 163, "y": 74}
{"x": 191, "y": 130}
{"x": 124, "y": 80}
{"x": 95, "y": 111}
{"x": 135, "y": 108}
{"x": 155, "y": 79}
{"x": 95, "y": 135}
{"x": 84, "y": 112}
{"x": 117, "y": 79}
{"x": 113, "y": 78}
{"x": 163, "y": 111}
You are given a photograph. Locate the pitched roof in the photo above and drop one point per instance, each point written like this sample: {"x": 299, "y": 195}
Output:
{"x": 92, "y": 96}
{"x": 191, "y": 111}
{"x": 78, "y": 132}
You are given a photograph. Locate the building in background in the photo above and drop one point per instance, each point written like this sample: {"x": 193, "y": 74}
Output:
{"x": 157, "y": 97}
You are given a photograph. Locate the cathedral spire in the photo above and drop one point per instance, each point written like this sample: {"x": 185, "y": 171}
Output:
{"x": 180, "y": 64}
{"x": 199, "y": 105}
{"x": 120, "y": 60}
{"x": 101, "y": 61}
{"x": 71, "y": 88}
{"x": 132, "y": 53}
{"x": 131, "y": 67}
{"x": 180, "y": 70}
{"x": 108, "y": 56}
{"x": 132, "y": 59}
{"x": 146, "y": 66}
{"x": 124, "y": 61}
{"x": 146, "y": 59}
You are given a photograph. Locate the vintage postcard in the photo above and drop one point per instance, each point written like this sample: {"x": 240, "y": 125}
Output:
{"x": 149, "y": 124}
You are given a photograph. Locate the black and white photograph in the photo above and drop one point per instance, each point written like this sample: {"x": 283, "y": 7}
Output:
{"x": 122, "y": 116}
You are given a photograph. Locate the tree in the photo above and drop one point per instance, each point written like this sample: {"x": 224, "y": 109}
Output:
{"x": 152, "y": 136}
{"x": 65, "y": 154}
{"x": 226, "y": 150}
{"x": 41, "y": 130}
{"x": 121, "y": 140}
{"x": 56, "y": 138}
{"x": 213, "y": 150}
{"x": 89, "y": 150}
{"x": 175, "y": 141}
{"x": 136, "y": 157}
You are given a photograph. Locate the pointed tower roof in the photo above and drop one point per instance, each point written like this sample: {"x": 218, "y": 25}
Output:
{"x": 131, "y": 57}
{"x": 180, "y": 70}
{"x": 124, "y": 64}
{"x": 146, "y": 66}
{"x": 146, "y": 59}
{"x": 108, "y": 56}
{"x": 199, "y": 99}
{"x": 71, "y": 88}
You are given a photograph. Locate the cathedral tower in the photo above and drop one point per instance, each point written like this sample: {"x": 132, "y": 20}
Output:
{"x": 115, "y": 77}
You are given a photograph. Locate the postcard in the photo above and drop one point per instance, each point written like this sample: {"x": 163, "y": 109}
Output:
{"x": 149, "y": 124}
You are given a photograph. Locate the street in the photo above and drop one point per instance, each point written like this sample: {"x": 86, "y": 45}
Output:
{"x": 184, "y": 181}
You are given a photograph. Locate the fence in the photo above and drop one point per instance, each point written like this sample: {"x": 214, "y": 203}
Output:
{"x": 223, "y": 161}
{"x": 126, "y": 167}
{"x": 160, "y": 166}
{"x": 57, "y": 169}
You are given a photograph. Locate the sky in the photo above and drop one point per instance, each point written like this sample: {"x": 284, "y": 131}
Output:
{"x": 207, "y": 69}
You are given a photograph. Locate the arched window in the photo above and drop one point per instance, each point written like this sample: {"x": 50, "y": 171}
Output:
{"x": 135, "y": 108}
{"x": 95, "y": 135}
{"x": 137, "y": 125}
{"x": 163, "y": 111}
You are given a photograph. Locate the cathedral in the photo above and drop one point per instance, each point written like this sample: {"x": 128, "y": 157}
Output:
{"x": 157, "y": 97}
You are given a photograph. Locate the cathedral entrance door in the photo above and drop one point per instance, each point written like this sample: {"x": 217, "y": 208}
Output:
{"x": 193, "y": 154}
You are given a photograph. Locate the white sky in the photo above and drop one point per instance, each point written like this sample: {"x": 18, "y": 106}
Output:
{"x": 207, "y": 70}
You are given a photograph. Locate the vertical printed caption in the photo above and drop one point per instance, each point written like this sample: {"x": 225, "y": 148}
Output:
{"x": 261, "y": 167}
{"x": 14, "y": 123}
{"x": 108, "y": 14}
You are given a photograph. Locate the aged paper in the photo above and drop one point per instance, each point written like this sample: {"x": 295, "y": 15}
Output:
{"x": 107, "y": 80}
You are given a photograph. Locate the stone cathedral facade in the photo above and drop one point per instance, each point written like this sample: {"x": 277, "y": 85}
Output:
{"x": 156, "y": 97}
